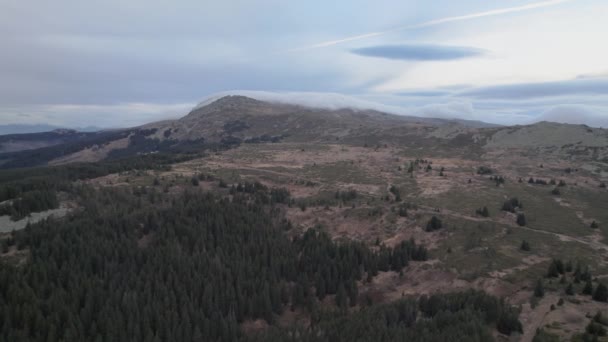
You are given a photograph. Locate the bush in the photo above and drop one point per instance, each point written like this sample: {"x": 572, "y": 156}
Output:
{"x": 539, "y": 289}
{"x": 512, "y": 204}
{"x": 588, "y": 289}
{"x": 484, "y": 170}
{"x": 521, "y": 220}
{"x": 483, "y": 212}
{"x": 601, "y": 293}
{"x": 433, "y": 224}
{"x": 570, "y": 290}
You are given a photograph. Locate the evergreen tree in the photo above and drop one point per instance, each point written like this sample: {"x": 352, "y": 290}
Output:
{"x": 588, "y": 289}
{"x": 539, "y": 289}
{"x": 434, "y": 224}
{"x": 521, "y": 219}
{"x": 570, "y": 290}
{"x": 601, "y": 293}
{"x": 341, "y": 297}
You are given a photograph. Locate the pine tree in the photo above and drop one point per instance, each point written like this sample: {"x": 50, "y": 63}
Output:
{"x": 539, "y": 289}
{"x": 570, "y": 290}
{"x": 341, "y": 297}
{"x": 601, "y": 293}
{"x": 521, "y": 219}
{"x": 588, "y": 289}
{"x": 433, "y": 224}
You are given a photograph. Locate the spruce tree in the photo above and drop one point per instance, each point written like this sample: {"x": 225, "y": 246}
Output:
{"x": 601, "y": 293}
{"x": 539, "y": 289}
{"x": 588, "y": 289}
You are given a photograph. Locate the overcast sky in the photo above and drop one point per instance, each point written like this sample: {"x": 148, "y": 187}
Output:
{"x": 120, "y": 63}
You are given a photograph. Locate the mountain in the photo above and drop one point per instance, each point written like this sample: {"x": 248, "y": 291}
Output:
{"x": 234, "y": 120}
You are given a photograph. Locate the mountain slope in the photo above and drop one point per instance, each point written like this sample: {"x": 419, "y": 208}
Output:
{"x": 233, "y": 120}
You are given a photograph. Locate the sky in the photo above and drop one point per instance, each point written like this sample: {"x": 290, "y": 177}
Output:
{"x": 123, "y": 63}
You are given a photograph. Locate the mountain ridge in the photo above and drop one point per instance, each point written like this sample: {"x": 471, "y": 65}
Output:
{"x": 233, "y": 120}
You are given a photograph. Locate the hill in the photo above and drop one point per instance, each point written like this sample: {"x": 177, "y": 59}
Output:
{"x": 234, "y": 120}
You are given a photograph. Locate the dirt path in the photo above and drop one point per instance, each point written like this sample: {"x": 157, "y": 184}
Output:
{"x": 532, "y": 319}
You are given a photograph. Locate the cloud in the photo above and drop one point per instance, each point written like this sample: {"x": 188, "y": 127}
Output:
{"x": 100, "y": 115}
{"x": 435, "y": 22}
{"x": 580, "y": 86}
{"x": 576, "y": 114}
{"x": 419, "y": 52}
{"x": 456, "y": 109}
{"x": 331, "y": 101}
{"x": 450, "y": 110}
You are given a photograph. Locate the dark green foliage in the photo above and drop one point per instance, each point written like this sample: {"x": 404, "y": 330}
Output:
{"x": 521, "y": 219}
{"x": 261, "y": 193}
{"x": 30, "y": 202}
{"x": 588, "y": 289}
{"x": 600, "y": 318}
{"x": 539, "y": 289}
{"x": 543, "y": 336}
{"x": 555, "y": 192}
{"x": 483, "y": 212}
{"x": 402, "y": 211}
{"x": 537, "y": 181}
{"x": 570, "y": 290}
{"x": 433, "y": 224}
{"x": 346, "y": 196}
{"x": 512, "y": 204}
{"x": 194, "y": 181}
{"x": 395, "y": 191}
{"x": 581, "y": 274}
{"x": 601, "y": 293}
{"x": 410, "y": 169}
{"x": 556, "y": 267}
{"x": 525, "y": 246}
{"x": 210, "y": 261}
{"x": 595, "y": 329}
{"x": 341, "y": 298}
{"x": 59, "y": 178}
{"x": 235, "y": 126}
{"x": 498, "y": 180}
{"x": 466, "y": 316}
{"x": 484, "y": 170}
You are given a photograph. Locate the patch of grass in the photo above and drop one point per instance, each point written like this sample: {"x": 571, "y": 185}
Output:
{"x": 343, "y": 172}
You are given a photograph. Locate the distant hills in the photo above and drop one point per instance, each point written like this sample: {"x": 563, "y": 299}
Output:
{"x": 38, "y": 128}
{"x": 232, "y": 120}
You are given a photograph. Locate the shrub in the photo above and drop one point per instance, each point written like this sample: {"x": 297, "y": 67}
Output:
{"x": 433, "y": 224}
